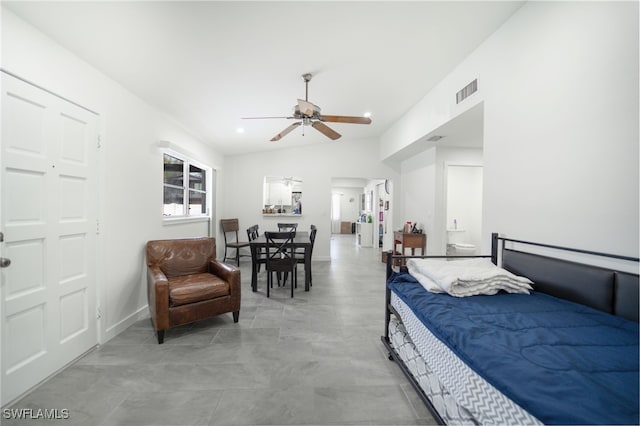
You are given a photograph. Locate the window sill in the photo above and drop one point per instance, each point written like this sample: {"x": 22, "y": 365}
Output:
{"x": 167, "y": 221}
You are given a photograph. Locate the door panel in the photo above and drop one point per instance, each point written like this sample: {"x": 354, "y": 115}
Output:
{"x": 48, "y": 217}
{"x": 25, "y": 347}
{"x": 26, "y": 274}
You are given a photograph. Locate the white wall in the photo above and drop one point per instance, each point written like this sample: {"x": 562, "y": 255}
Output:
{"x": 419, "y": 194}
{"x": 559, "y": 82}
{"x": 561, "y": 152}
{"x": 316, "y": 165}
{"x": 130, "y": 165}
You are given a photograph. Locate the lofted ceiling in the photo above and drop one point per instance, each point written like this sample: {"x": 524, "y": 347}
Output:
{"x": 210, "y": 63}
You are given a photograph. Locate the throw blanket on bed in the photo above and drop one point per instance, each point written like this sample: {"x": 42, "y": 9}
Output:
{"x": 563, "y": 362}
{"x": 466, "y": 277}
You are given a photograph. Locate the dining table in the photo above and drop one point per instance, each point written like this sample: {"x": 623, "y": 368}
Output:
{"x": 300, "y": 241}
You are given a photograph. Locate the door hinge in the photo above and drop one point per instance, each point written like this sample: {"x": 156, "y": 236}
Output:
{"x": 98, "y": 313}
{"x": 99, "y": 141}
{"x": 97, "y": 227}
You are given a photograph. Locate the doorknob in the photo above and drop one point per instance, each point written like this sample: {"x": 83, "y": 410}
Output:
{"x": 4, "y": 262}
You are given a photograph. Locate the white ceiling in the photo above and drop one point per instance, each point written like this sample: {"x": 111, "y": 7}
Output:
{"x": 209, "y": 63}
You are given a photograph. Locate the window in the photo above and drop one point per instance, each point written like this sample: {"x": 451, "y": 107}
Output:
{"x": 185, "y": 187}
{"x": 335, "y": 207}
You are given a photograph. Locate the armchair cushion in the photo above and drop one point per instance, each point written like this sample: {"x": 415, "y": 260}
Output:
{"x": 193, "y": 288}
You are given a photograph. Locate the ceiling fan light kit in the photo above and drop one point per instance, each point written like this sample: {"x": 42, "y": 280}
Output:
{"x": 309, "y": 115}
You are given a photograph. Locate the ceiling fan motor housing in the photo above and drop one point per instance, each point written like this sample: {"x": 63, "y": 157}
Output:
{"x": 306, "y": 109}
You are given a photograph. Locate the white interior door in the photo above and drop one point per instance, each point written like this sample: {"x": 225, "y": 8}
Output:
{"x": 48, "y": 218}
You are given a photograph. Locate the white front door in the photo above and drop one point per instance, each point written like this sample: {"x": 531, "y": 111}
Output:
{"x": 48, "y": 218}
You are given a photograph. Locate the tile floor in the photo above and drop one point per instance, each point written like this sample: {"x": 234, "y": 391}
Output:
{"x": 314, "y": 359}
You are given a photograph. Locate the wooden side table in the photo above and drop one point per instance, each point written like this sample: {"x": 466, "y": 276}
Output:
{"x": 409, "y": 241}
{"x": 345, "y": 227}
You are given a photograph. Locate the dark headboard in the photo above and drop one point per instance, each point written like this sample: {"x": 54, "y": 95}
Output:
{"x": 605, "y": 289}
{"x": 609, "y": 290}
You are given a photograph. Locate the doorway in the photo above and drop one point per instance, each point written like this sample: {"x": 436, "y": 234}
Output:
{"x": 345, "y": 203}
{"x": 464, "y": 203}
{"x": 361, "y": 211}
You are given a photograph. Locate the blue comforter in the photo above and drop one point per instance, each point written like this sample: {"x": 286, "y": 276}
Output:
{"x": 563, "y": 362}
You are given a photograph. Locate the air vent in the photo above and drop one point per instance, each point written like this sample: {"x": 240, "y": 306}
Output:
{"x": 467, "y": 91}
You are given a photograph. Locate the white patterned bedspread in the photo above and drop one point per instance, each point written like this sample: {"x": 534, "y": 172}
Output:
{"x": 459, "y": 394}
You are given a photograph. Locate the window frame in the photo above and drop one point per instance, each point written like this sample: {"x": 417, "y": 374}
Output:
{"x": 187, "y": 162}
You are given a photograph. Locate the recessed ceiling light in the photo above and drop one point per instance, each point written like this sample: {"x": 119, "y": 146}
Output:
{"x": 239, "y": 130}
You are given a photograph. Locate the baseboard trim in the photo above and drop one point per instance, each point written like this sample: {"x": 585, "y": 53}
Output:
{"x": 123, "y": 324}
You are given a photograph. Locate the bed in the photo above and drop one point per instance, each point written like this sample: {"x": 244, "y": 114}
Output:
{"x": 566, "y": 353}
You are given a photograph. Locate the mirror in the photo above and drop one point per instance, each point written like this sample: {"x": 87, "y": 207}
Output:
{"x": 282, "y": 195}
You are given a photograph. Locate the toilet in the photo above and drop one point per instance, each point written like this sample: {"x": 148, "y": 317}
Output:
{"x": 464, "y": 249}
{"x": 456, "y": 245}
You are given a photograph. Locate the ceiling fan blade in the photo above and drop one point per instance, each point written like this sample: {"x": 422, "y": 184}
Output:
{"x": 345, "y": 119}
{"x": 326, "y": 130}
{"x": 285, "y": 132}
{"x": 261, "y": 118}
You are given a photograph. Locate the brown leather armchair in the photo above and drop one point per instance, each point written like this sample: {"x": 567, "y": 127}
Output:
{"x": 186, "y": 283}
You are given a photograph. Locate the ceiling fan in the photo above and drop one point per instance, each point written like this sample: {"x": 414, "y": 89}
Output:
{"x": 290, "y": 181}
{"x": 309, "y": 115}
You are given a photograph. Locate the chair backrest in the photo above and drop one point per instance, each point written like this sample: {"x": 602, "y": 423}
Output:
{"x": 252, "y": 232}
{"x": 229, "y": 225}
{"x": 287, "y": 226}
{"x": 312, "y": 236}
{"x": 181, "y": 256}
{"x": 280, "y": 252}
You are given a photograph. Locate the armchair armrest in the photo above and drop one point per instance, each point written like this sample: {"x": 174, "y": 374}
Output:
{"x": 156, "y": 276}
{"x": 223, "y": 270}
{"x": 229, "y": 273}
{"x": 158, "y": 292}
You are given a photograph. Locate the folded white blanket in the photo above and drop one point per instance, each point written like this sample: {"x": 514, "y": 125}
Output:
{"x": 466, "y": 277}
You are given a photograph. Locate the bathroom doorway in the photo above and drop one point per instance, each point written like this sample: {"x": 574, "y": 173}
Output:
{"x": 464, "y": 205}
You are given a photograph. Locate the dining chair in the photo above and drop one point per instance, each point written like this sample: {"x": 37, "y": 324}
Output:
{"x": 287, "y": 227}
{"x": 301, "y": 252}
{"x": 252, "y": 232}
{"x": 257, "y": 253}
{"x": 230, "y": 229}
{"x": 280, "y": 257}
